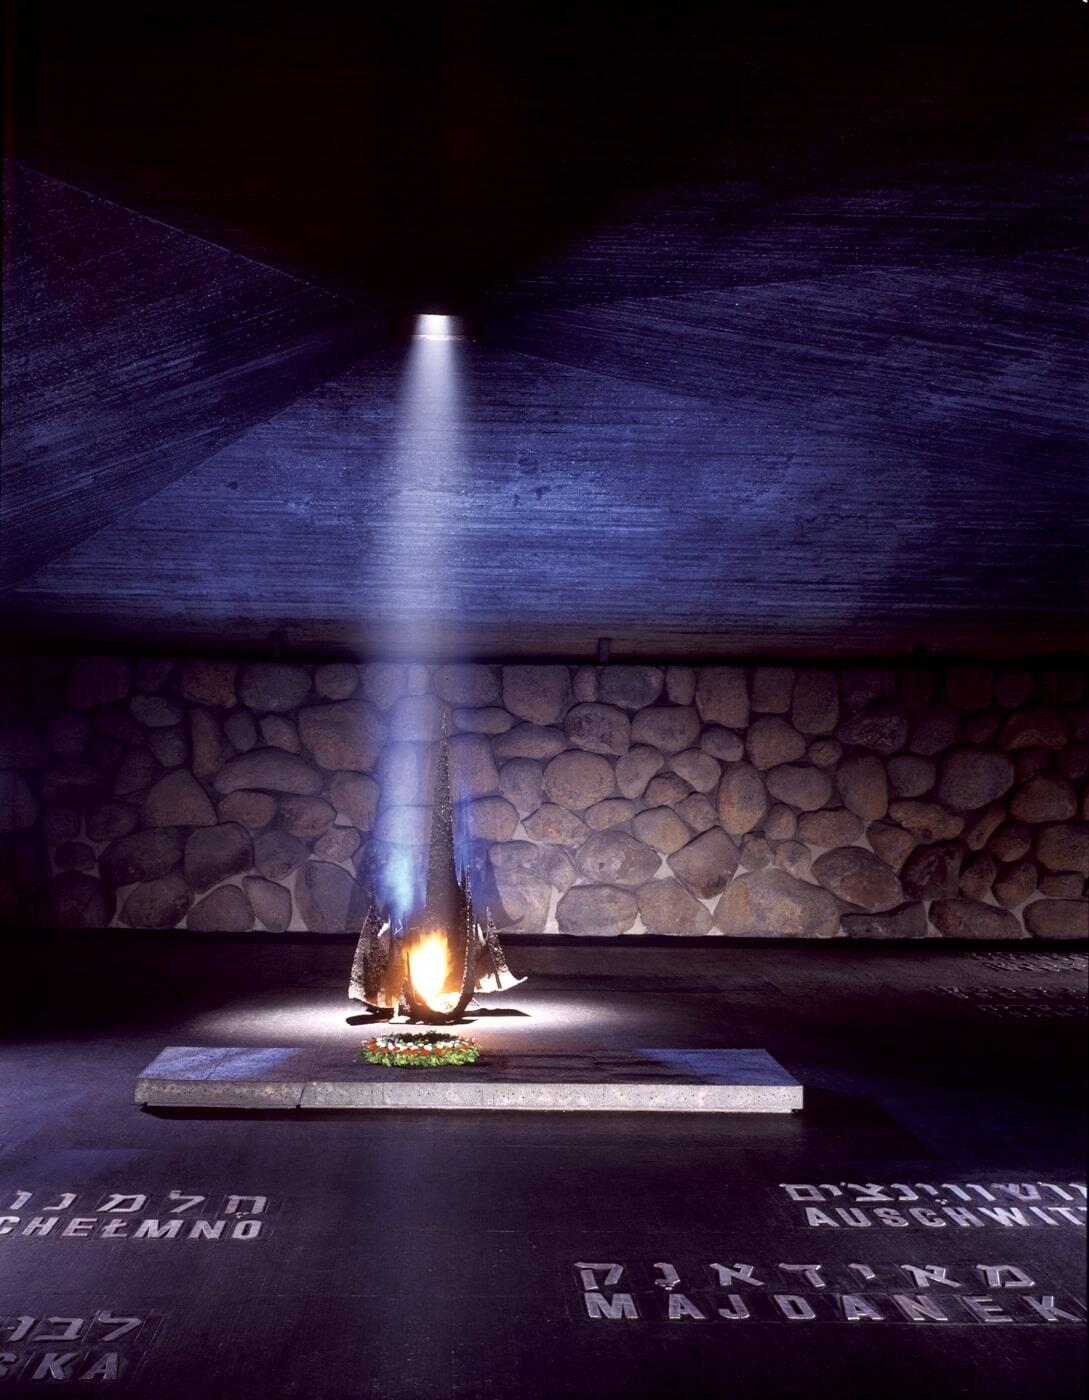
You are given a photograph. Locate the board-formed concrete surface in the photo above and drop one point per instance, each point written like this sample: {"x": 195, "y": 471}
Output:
{"x": 643, "y": 1081}
{"x": 749, "y": 282}
{"x": 918, "y": 1229}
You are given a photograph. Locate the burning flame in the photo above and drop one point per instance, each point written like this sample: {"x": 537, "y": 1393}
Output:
{"x": 429, "y": 966}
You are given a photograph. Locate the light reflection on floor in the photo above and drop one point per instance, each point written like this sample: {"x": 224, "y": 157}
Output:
{"x": 520, "y": 1017}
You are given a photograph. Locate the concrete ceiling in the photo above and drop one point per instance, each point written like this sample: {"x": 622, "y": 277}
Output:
{"x": 778, "y": 343}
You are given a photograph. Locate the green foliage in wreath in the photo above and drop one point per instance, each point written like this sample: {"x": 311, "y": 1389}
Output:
{"x": 429, "y": 1050}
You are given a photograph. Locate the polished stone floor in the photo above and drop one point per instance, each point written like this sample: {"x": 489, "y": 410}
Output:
{"x": 473, "y": 1255}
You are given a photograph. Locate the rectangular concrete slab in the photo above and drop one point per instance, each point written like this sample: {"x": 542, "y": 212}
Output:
{"x": 192, "y": 1076}
{"x": 641, "y": 1081}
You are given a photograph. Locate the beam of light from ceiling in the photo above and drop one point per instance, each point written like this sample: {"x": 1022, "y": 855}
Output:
{"x": 428, "y": 479}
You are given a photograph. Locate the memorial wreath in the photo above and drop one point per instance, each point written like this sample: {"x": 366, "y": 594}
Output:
{"x": 425, "y": 1051}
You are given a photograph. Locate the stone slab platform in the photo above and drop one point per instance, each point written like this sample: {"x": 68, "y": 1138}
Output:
{"x": 640, "y": 1081}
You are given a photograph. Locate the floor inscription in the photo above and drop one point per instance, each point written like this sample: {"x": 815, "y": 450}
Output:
{"x": 106, "y": 1345}
{"x": 922, "y": 1204}
{"x": 981, "y": 1294}
{"x": 1034, "y": 962}
{"x": 1022, "y": 1003}
{"x": 134, "y": 1215}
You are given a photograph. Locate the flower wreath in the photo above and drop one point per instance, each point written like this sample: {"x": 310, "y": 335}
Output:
{"x": 426, "y": 1051}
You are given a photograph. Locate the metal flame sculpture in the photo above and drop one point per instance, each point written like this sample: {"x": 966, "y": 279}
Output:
{"x": 429, "y": 967}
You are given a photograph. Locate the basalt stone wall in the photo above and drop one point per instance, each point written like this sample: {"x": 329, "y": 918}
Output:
{"x": 805, "y": 801}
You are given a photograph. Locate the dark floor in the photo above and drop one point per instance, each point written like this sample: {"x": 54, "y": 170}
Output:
{"x": 409, "y": 1255}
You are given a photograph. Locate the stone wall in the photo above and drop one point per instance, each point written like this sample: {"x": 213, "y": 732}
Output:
{"x": 742, "y": 800}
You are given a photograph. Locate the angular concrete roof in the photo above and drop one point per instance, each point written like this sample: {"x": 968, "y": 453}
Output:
{"x": 810, "y": 381}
